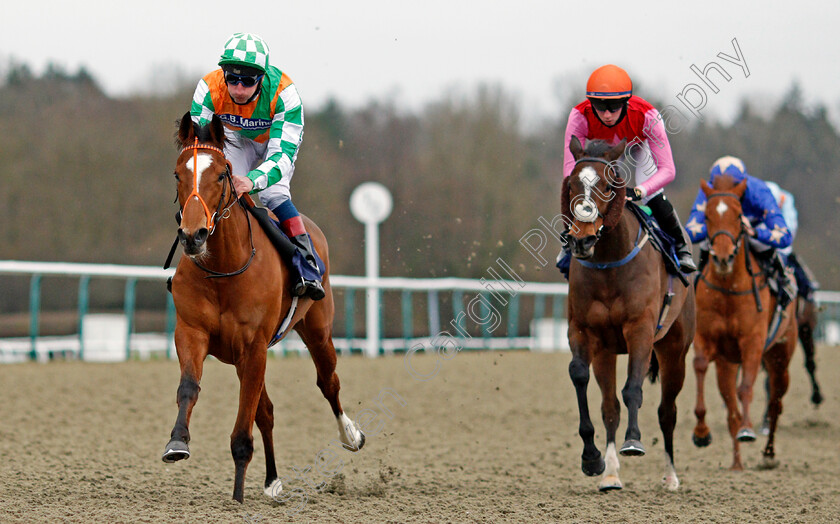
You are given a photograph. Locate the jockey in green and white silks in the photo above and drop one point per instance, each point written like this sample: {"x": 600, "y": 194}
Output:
{"x": 263, "y": 117}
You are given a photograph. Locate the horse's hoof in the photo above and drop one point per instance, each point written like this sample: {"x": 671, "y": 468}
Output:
{"x": 594, "y": 467}
{"x": 176, "y": 450}
{"x": 816, "y": 398}
{"x": 610, "y": 483}
{"x": 746, "y": 435}
{"x": 701, "y": 442}
{"x": 768, "y": 463}
{"x": 632, "y": 448}
{"x": 671, "y": 482}
{"x": 274, "y": 489}
{"x": 362, "y": 441}
{"x": 764, "y": 429}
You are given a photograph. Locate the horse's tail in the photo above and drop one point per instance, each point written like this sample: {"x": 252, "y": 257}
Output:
{"x": 653, "y": 370}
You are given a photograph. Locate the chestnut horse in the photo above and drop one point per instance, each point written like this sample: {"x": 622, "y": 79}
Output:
{"x": 617, "y": 287}
{"x": 231, "y": 296}
{"x": 732, "y": 329}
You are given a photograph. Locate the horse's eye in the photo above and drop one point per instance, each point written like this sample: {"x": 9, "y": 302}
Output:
{"x": 176, "y": 175}
{"x": 222, "y": 176}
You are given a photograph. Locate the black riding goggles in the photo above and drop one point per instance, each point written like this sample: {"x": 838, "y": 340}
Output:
{"x": 607, "y": 104}
{"x": 245, "y": 80}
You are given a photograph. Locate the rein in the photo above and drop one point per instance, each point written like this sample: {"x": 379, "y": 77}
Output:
{"x": 220, "y": 214}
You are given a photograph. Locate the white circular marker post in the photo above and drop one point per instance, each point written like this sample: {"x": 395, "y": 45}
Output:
{"x": 371, "y": 204}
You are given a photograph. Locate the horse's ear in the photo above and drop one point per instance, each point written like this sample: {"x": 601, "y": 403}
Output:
{"x": 217, "y": 130}
{"x": 617, "y": 150}
{"x": 576, "y": 148}
{"x": 185, "y": 129}
{"x": 741, "y": 188}
{"x": 707, "y": 189}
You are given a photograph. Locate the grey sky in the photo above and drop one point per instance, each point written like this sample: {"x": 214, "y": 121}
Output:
{"x": 413, "y": 52}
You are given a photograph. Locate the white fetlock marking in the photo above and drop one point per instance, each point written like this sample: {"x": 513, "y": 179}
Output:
{"x": 274, "y": 489}
{"x": 610, "y": 478}
{"x": 349, "y": 434}
{"x": 670, "y": 480}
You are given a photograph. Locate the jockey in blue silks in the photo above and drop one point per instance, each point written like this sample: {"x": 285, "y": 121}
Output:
{"x": 770, "y": 233}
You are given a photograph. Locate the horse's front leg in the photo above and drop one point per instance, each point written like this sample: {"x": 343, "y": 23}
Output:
{"x": 250, "y": 368}
{"x": 603, "y": 365}
{"x": 591, "y": 461}
{"x": 727, "y": 375}
{"x": 192, "y": 347}
{"x": 639, "y": 349}
{"x": 752, "y": 348}
{"x": 702, "y": 435}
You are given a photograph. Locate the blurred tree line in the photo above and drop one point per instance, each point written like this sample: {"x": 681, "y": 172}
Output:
{"x": 88, "y": 178}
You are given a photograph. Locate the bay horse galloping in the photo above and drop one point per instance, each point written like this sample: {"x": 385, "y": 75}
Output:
{"x": 231, "y": 298}
{"x": 734, "y": 313}
{"x": 618, "y": 284}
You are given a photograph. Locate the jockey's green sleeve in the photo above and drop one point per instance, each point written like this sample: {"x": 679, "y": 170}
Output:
{"x": 276, "y": 117}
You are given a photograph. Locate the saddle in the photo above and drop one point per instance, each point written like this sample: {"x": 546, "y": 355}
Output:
{"x": 280, "y": 241}
{"x": 660, "y": 240}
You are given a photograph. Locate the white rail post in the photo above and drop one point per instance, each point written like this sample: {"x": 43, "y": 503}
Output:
{"x": 371, "y": 204}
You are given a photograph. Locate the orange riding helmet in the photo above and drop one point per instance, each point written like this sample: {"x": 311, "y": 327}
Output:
{"x": 609, "y": 82}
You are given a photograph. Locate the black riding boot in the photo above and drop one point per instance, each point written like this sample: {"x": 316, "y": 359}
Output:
{"x": 311, "y": 288}
{"x": 806, "y": 284}
{"x": 787, "y": 288}
{"x": 668, "y": 220}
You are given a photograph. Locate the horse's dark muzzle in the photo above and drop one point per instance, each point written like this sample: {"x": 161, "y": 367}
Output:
{"x": 193, "y": 243}
{"x": 582, "y": 247}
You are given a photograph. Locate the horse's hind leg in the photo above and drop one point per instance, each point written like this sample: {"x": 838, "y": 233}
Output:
{"x": 776, "y": 360}
{"x": 319, "y": 342}
{"x": 672, "y": 377}
{"x": 806, "y": 336}
{"x": 265, "y": 423}
{"x": 191, "y": 354}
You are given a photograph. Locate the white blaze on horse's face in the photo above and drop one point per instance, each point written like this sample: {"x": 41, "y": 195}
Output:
{"x": 204, "y": 161}
{"x": 586, "y": 210}
{"x": 722, "y": 208}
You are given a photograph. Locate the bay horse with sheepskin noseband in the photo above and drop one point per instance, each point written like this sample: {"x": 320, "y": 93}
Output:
{"x": 231, "y": 297}
{"x": 734, "y": 313}
{"x": 617, "y": 286}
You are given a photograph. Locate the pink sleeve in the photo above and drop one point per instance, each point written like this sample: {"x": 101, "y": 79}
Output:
{"x": 660, "y": 149}
{"x": 578, "y": 127}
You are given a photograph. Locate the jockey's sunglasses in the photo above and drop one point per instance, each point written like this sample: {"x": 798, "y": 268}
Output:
{"x": 608, "y": 105}
{"x": 245, "y": 80}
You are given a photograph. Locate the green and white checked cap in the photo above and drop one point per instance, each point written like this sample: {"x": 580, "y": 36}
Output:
{"x": 246, "y": 49}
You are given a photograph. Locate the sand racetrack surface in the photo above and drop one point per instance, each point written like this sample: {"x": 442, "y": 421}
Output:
{"x": 492, "y": 437}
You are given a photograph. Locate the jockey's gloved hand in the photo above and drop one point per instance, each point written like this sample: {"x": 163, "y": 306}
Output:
{"x": 635, "y": 194}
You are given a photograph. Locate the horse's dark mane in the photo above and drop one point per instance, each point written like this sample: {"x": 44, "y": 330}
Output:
{"x": 596, "y": 148}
